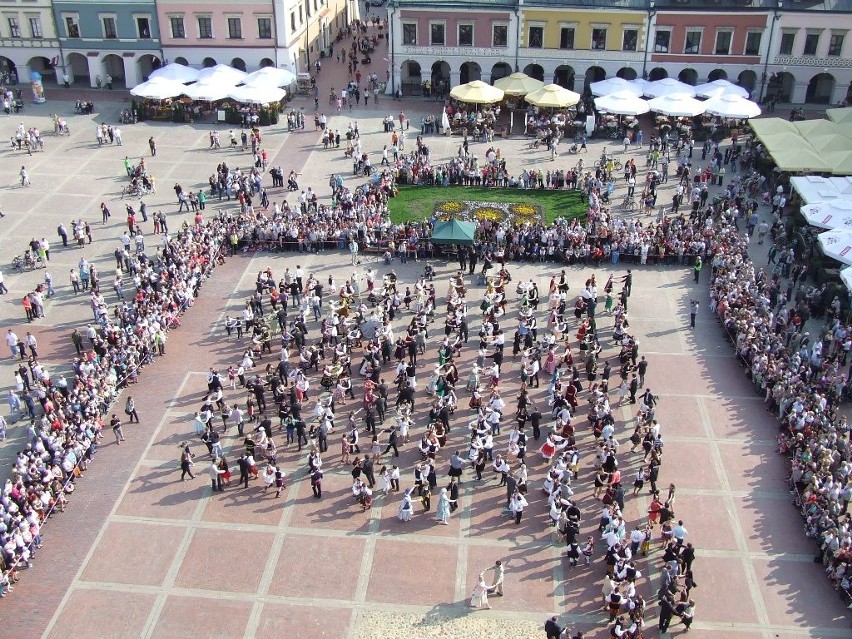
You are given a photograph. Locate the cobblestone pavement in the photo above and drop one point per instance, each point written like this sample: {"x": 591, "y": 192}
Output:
{"x": 173, "y": 560}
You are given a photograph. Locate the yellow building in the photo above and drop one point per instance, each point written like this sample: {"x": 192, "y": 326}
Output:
{"x": 575, "y": 45}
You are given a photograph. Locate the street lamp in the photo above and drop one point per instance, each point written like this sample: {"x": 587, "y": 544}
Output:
{"x": 651, "y": 13}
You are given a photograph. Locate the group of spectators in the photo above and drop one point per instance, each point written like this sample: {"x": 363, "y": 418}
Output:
{"x": 62, "y": 437}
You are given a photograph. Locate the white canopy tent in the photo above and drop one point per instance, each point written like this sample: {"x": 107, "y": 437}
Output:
{"x": 270, "y": 76}
{"x": 615, "y": 85}
{"x": 837, "y": 245}
{"x": 257, "y": 94}
{"x": 846, "y": 277}
{"x": 720, "y": 87}
{"x": 174, "y": 71}
{"x": 622, "y": 103}
{"x": 730, "y": 105}
{"x": 221, "y": 74}
{"x": 668, "y": 86}
{"x": 158, "y": 89}
{"x": 677, "y": 105}
{"x": 208, "y": 91}
{"x": 815, "y": 188}
{"x": 831, "y": 214}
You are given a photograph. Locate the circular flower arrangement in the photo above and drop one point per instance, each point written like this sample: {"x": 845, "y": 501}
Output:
{"x": 448, "y": 210}
{"x": 488, "y": 214}
{"x": 525, "y": 213}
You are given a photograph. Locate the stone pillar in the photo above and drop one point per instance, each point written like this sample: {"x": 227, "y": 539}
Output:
{"x": 131, "y": 72}
{"x": 95, "y": 69}
{"x": 455, "y": 78}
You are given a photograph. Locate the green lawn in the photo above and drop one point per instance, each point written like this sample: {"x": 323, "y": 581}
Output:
{"x": 416, "y": 203}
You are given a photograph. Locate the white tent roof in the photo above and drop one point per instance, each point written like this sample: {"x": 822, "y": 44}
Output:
{"x": 270, "y": 76}
{"x": 815, "y": 188}
{"x": 158, "y": 89}
{"x": 622, "y": 103}
{"x": 720, "y": 87}
{"x": 846, "y": 277}
{"x": 221, "y": 74}
{"x": 731, "y": 105}
{"x": 677, "y": 105}
{"x": 614, "y": 85}
{"x": 208, "y": 91}
{"x": 837, "y": 245}
{"x": 175, "y": 71}
{"x": 257, "y": 94}
{"x": 667, "y": 86}
{"x": 831, "y": 214}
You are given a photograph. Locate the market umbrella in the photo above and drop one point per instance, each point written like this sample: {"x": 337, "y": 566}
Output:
{"x": 270, "y": 76}
{"x": 552, "y": 96}
{"x": 174, "y": 71}
{"x": 158, "y": 89}
{"x": 831, "y": 214}
{"x": 668, "y": 86}
{"x": 771, "y": 126}
{"x": 840, "y": 115}
{"x": 208, "y": 91}
{"x": 846, "y": 277}
{"x": 720, "y": 87}
{"x": 837, "y": 245}
{"x": 677, "y": 105}
{"x": 616, "y": 85}
{"x": 222, "y": 74}
{"x": 257, "y": 94}
{"x": 730, "y": 105}
{"x": 840, "y": 162}
{"x": 518, "y": 84}
{"x": 622, "y": 103}
{"x": 477, "y": 92}
{"x": 800, "y": 160}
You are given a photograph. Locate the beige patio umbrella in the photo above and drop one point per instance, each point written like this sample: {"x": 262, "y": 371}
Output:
{"x": 553, "y": 96}
{"x": 477, "y": 92}
{"x": 518, "y": 84}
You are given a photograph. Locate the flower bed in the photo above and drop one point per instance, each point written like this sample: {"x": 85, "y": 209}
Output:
{"x": 495, "y": 212}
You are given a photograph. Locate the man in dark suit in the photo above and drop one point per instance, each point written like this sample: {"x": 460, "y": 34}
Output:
{"x": 552, "y": 628}
{"x": 634, "y": 387}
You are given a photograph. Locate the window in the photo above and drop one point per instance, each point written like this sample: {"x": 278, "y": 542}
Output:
{"x": 14, "y": 27}
{"x": 109, "y": 27}
{"x": 308, "y": 7}
{"x": 35, "y": 27}
{"x": 437, "y": 34}
{"x": 205, "y": 28}
{"x": 693, "y": 42}
{"x": 178, "y": 29}
{"x": 752, "y": 46}
{"x": 302, "y": 17}
{"x": 536, "y": 37}
{"x": 786, "y": 46}
{"x": 465, "y": 35}
{"x": 598, "y": 38}
{"x": 835, "y": 44}
{"x": 566, "y": 38}
{"x": 662, "y": 41}
{"x": 72, "y": 26}
{"x": 292, "y": 21}
{"x": 499, "y": 35}
{"x": 409, "y": 33}
{"x": 629, "y": 40}
{"x": 811, "y": 44}
{"x": 264, "y": 28}
{"x": 235, "y": 28}
{"x": 143, "y": 27}
{"x": 723, "y": 42}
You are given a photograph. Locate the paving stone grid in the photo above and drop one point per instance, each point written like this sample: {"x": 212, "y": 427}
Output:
{"x": 141, "y": 554}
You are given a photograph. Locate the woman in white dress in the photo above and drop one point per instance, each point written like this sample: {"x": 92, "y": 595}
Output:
{"x": 479, "y": 598}
{"x": 386, "y": 480}
{"x": 405, "y": 508}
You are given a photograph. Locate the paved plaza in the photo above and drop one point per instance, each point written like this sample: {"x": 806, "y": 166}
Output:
{"x": 139, "y": 553}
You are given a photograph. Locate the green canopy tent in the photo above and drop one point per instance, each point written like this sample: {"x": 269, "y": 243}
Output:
{"x": 453, "y": 232}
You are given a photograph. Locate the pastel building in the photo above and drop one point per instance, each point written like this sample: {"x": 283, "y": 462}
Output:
{"x": 28, "y": 39}
{"x": 99, "y": 39}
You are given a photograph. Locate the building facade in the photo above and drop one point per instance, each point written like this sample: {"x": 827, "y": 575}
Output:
{"x": 28, "y": 39}
{"x": 117, "y": 40}
{"x": 307, "y": 30}
{"x": 794, "y": 50}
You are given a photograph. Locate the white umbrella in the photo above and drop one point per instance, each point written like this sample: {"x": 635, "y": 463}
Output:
{"x": 677, "y": 105}
{"x": 616, "y": 85}
{"x": 622, "y": 103}
{"x": 642, "y": 85}
{"x": 257, "y": 94}
{"x": 208, "y": 91}
{"x": 846, "y": 277}
{"x": 731, "y": 106}
{"x": 222, "y": 74}
{"x": 175, "y": 71}
{"x": 720, "y": 87}
{"x": 831, "y": 214}
{"x": 667, "y": 86}
{"x": 270, "y": 76}
{"x": 837, "y": 245}
{"x": 158, "y": 89}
